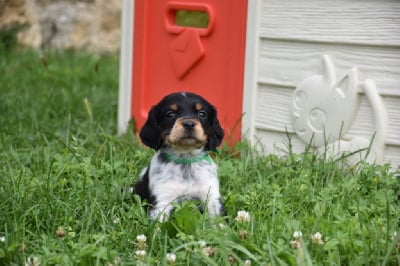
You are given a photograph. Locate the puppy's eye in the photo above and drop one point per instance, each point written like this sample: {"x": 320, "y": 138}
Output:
{"x": 170, "y": 114}
{"x": 202, "y": 114}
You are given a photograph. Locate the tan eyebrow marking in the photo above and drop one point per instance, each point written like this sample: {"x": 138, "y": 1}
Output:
{"x": 174, "y": 107}
{"x": 198, "y": 106}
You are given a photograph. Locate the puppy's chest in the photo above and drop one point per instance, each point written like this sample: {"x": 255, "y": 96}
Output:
{"x": 162, "y": 172}
{"x": 183, "y": 178}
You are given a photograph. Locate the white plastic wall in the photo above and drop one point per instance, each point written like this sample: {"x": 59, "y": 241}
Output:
{"x": 288, "y": 43}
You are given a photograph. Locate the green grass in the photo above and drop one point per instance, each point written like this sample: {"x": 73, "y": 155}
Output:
{"x": 63, "y": 172}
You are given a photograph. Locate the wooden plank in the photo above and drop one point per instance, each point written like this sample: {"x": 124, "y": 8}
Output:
{"x": 289, "y": 63}
{"x": 273, "y": 113}
{"x": 369, "y": 22}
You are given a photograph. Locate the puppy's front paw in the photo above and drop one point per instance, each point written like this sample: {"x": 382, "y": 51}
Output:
{"x": 216, "y": 208}
{"x": 160, "y": 214}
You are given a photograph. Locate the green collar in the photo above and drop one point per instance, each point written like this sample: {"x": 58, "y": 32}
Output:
{"x": 196, "y": 159}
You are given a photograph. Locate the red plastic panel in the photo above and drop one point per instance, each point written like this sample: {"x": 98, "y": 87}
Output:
{"x": 208, "y": 61}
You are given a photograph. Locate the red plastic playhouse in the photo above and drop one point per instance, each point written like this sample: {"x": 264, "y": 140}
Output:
{"x": 208, "y": 60}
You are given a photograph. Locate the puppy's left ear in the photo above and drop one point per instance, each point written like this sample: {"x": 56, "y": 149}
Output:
{"x": 150, "y": 133}
{"x": 216, "y": 134}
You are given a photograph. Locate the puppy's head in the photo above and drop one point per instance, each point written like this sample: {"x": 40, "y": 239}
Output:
{"x": 182, "y": 121}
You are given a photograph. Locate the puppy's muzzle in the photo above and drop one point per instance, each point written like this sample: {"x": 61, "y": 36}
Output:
{"x": 188, "y": 124}
{"x": 187, "y": 132}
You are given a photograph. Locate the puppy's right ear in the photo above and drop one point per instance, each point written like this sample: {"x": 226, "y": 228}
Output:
{"x": 150, "y": 133}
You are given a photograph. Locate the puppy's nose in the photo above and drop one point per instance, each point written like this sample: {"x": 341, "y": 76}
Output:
{"x": 188, "y": 124}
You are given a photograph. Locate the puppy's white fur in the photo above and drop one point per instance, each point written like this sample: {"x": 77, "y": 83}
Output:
{"x": 173, "y": 182}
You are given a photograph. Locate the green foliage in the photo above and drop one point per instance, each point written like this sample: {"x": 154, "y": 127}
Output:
{"x": 184, "y": 221}
{"x": 196, "y": 19}
{"x": 8, "y": 36}
{"x": 64, "y": 175}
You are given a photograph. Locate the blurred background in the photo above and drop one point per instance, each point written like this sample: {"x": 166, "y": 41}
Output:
{"x": 92, "y": 25}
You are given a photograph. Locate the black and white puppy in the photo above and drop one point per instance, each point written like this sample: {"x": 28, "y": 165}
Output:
{"x": 182, "y": 128}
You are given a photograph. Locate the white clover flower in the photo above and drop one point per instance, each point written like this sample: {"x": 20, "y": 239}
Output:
{"x": 243, "y": 217}
{"x": 2, "y": 239}
{"x": 317, "y": 235}
{"x": 141, "y": 242}
{"x": 202, "y": 243}
{"x": 141, "y": 238}
{"x": 394, "y": 235}
{"x": 317, "y": 238}
{"x": 297, "y": 234}
{"x": 171, "y": 258}
{"x": 247, "y": 262}
{"x": 32, "y": 261}
{"x": 140, "y": 253}
{"x": 117, "y": 220}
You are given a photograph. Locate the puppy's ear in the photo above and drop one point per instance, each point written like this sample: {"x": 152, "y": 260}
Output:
{"x": 150, "y": 133}
{"x": 216, "y": 134}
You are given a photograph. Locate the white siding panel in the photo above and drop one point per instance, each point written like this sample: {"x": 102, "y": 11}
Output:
{"x": 292, "y": 38}
{"x": 278, "y": 143}
{"x": 371, "y": 22}
{"x": 289, "y": 63}
{"x": 273, "y": 109}
{"x": 392, "y": 105}
{"x": 392, "y": 156}
{"x": 273, "y": 113}
{"x": 363, "y": 124}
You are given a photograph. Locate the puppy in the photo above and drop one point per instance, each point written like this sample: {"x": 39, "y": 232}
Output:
{"x": 182, "y": 128}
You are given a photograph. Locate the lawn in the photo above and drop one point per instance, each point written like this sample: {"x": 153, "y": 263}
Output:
{"x": 64, "y": 174}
